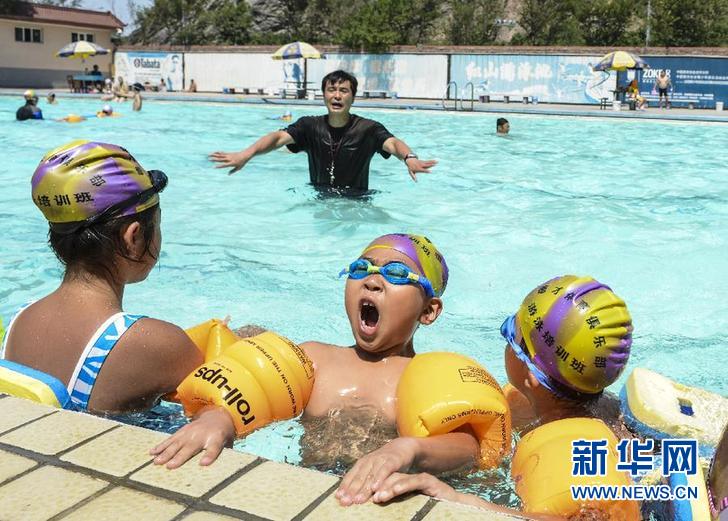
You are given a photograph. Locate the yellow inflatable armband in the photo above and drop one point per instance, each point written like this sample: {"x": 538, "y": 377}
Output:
{"x": 212, "y": 338}
{"x": 542, "y": 470}
{"x": 258, "y": 380}
{"x": 439, "y": 392}
{"x": 74, "y": 118}
{"x": 31, "y": 384}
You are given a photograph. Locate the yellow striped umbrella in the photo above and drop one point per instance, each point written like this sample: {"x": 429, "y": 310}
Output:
{"x": 620, "y": 61}
{"x": 295, "y": 50}
{"x": 81, "y": 49}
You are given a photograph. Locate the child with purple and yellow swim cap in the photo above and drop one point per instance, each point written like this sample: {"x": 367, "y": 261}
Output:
{"x": 102, "y": 209}
{"x": 570, "y": 339}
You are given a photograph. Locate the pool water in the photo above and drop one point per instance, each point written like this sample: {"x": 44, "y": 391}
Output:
{"x": 640, "y": 205}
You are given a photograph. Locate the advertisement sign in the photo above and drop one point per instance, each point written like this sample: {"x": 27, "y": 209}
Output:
{"x": 553, "y": 79}
{"x": 697, "y": 81}
{"x": 151, "y": 67}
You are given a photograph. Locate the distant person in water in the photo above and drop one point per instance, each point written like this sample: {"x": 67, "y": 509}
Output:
{"x": 502, "y": 127}
{"x": 51, "y": 98}
{"x": 30, "y": 110}
{"x": 340, "y": 145}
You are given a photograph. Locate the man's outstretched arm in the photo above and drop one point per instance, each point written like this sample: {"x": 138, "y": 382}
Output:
{"x": 237, "y": 160}
{"x": 400, "y": 150}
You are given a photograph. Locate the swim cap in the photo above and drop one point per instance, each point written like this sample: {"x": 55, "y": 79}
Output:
{"x": 576, "y": 335}
{"x": 29, "y": 94}
{"x": 82, "y": 181}
{"x": 421, "y": 251}
{"x": 107, "y": 109}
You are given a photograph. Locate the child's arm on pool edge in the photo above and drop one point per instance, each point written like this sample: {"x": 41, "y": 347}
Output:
{"x": 211, "y": 430}
{"x": 450, "y": 451}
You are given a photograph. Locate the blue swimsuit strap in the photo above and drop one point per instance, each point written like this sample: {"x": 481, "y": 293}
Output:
{"x": 94, "y": 355}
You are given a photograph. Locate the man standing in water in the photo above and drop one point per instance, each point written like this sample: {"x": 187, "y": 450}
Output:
{"x": 339, "y": 145}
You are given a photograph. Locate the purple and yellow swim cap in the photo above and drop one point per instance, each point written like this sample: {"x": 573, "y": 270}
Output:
{"x": 81, "y": 181}
{"x": 421, "y": 251}
{"x": 575, "y": 331}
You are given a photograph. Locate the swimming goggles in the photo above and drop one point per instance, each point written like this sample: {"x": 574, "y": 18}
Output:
{"x": 159, "y": 182}
{"x": 508, "y": 331}
{"x": 395, "y": 273}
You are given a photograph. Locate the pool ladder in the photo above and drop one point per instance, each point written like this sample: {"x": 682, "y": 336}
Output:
{"x": 446, "y": 96}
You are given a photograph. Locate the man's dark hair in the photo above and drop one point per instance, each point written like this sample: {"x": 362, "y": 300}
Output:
{"x": 500, "y": 122}
{"x": 337, "y": 77}
{"x": 94, "y": 249}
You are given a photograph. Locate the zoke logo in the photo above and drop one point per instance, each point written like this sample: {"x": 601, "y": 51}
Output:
{"x": 233, "y": 397}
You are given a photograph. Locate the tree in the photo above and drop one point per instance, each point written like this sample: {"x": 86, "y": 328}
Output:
{"x": 379, "y": 24}
{"x": 606, "y": 23}
{"x": 683, "y": 23}
{"x": 548, "y": 22}
{"x": 473, "y": 22}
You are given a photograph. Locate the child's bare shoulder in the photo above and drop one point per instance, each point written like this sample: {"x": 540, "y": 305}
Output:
{"x": 321, "y": 352}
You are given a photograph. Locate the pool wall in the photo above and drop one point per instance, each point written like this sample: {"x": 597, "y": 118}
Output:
{"x": 58, "y": 464}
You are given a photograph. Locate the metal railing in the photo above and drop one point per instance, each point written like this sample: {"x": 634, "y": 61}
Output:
{"x": 472, "y": 97}
{"x": 447, "y": 96}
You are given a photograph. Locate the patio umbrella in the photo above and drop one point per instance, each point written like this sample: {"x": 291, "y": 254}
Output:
{"x": 81, "y": 49}
{"x": 620, "y": 61}
{"x": 296, "y": 50}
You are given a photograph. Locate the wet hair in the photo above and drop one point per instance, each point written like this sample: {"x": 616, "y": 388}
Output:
{"x": 338, "y": 77}
{"x": 94, "y": 249}
{"x": 500, "y": 122}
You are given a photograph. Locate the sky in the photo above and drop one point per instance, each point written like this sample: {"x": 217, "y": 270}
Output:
{"x": 121, "y": 8}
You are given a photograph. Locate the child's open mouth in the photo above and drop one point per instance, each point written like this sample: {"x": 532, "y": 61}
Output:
{"x": 368, "y": 317}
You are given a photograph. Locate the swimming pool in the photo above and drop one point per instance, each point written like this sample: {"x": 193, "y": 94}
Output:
{"x": 642, "y": 206}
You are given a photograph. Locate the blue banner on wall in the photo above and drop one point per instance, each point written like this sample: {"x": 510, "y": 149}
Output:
{"x": 553, "y": 79}
{"x": 700, "y": 81}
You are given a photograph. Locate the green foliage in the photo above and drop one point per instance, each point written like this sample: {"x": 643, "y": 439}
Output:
{"x": 683, "y": 23}
{"x": 377, "y": 25}
{"x": 549, "y": 22}
{"x": 472, "y": 22}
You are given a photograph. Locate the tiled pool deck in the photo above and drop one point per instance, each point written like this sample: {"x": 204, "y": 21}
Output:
{"x": 500, "y": 108}
{"x": 65, "y": 465}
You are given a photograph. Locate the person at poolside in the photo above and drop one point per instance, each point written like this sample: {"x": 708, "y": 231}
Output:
{"x": 98, "y": 84}
{"x": 30, "y": 110}
{"x": 662, "y": 85}
{"x": 51, "y": 98}
{"x": 192, "y": 87}
{"x": 103, "y": 212}
{"x": 162, "y": 87}
{"x": 120, "y": 90}
{"x": 549, "y": 381}
{"x": 502, "y": 127}
{"x": 394, "y": 286}
{"x": 718, "y": 480}
{"x": 633, "y": 92}
{"x": 340, "y": 145}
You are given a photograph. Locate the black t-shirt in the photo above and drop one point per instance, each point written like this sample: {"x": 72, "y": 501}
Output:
{"x": 28, "y": 111}
{"x": 350, "y": 149}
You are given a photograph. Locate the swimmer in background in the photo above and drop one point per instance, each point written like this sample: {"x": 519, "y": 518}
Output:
{"x": 392, "y": 288}
{"x": 51, "y": 98}
{"x": 502, "y": 127}
{"x": 137, "y": 103}
{"x": 106, "y": 112}
{"x": 30, "y": 110}
{"x": 545, "y": 385}
{"x": 286, "y": 116}
{"x": 106, "y": 234}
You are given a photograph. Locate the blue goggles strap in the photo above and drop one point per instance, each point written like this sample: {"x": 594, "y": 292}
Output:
{"x": 508, "y": 331}
{"x": 385, "y": 271}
